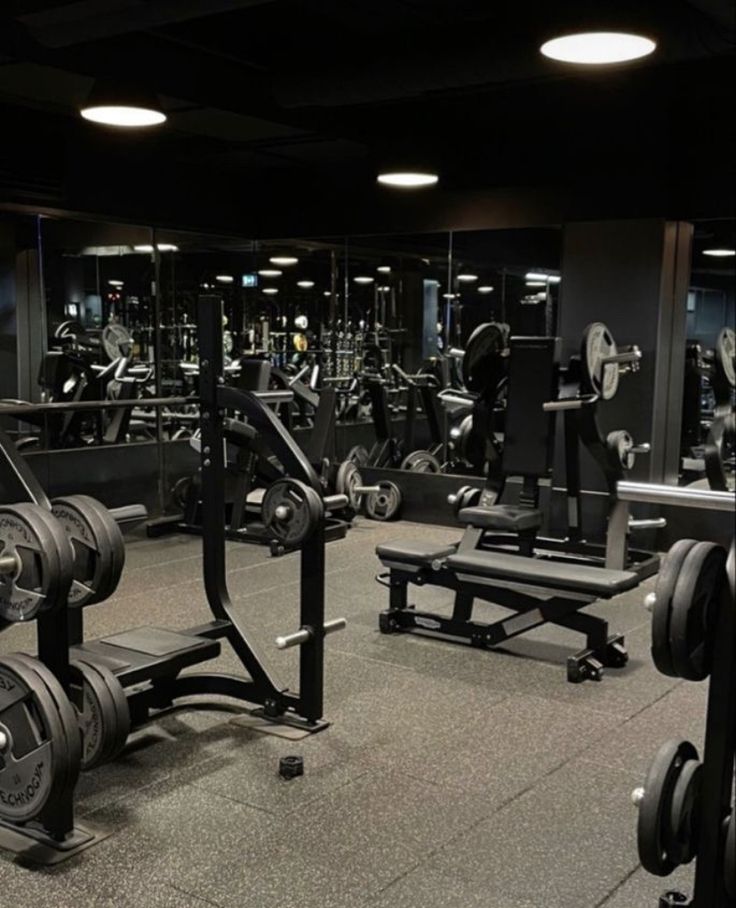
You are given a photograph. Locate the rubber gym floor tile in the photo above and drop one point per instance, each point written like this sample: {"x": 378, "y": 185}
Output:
{"x": 512, "y": 743}
{"x": 384, "y": 809}
{"x": 565, "y": 843}
{"x": 426, "y": 888}
{"x": 643, "y": 889}
{"x": 678, "y": 714}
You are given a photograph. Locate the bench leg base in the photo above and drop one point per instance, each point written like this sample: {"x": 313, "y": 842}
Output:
{"x": 588, "y": 664}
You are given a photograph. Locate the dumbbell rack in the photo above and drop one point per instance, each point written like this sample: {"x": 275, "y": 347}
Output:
{"x": 720, "y": 733}
{"x": 53, "y": 835}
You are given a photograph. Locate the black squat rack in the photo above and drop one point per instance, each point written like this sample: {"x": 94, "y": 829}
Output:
{"x": 686, "y": 809}
{"x": 143, "y": 667}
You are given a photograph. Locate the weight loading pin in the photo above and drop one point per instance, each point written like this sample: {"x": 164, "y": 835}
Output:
{"x": 282, "y": 512}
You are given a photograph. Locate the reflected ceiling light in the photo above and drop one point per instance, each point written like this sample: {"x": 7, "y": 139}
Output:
{"x": 720, "y": 253}
{"x": 126, "y": 106}
{"x": 271, "y": 291}
{"x": 363, "y": 279}
{"x": 162, "y": 247}
{"x": 270, "y": 272}
{"x": 449, "y": 296}
{"x": 598, "y": 48}
{"x": 408, "y": 179}
{"x": 541, "y": 276}
{"x": 224, "y": 278}
{"x": 205, "y": 286}
{"x": 384, "y": 269}
{"x": 467, "y": 278}
{"x": 305, "y": 285}
{"x": 536, "y": 283}
{"x": 327, "y": 293}
{"x": 486, "y": 288}
{"x": 115, "y": 283}
{"x": 283, "y": 260}
{"x": 385, "y": 289}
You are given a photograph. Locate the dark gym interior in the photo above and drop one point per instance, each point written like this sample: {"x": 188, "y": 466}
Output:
{"x": 367, "y": 454}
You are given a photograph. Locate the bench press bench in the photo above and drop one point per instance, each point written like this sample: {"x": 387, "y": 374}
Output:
{"x": 538, "y": 590}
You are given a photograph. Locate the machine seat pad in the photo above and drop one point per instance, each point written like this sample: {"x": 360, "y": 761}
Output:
{"x": 413, "y": 551}
{"x": 505, "y": 517}
{"x": 599, "y": 582}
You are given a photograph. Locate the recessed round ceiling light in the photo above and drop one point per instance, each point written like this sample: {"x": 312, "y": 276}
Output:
{"x": 597, "y": 48}
{"x": 486, "y": 288}
{"x": 408, "y": 179}
{"x": 384, "y": 269}
{"x": 363, "y": 279}
{"x": 719, "y": 253}
{"x": 115, "y": 283}
{"x": 271, "y": 291}
{"x": 305, "y": 285}
{"x": 122, "y": 115}
{"x": 283, "y": 260}
{"x": 467, "y": 278}
{"x": 270, "y": 272}
{"x": 224, "y": 278}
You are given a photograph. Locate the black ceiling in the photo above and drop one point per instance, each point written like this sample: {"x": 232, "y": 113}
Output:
{"x": 281, "y": 110}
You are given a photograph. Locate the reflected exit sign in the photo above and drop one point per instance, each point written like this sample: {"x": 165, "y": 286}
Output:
{"x": 250, "y": 280}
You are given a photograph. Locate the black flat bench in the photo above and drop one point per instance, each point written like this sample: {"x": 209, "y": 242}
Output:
{"x": 414, "y": 551}
{"x": 502, "y": 517}
{"x": 556, "y": 575}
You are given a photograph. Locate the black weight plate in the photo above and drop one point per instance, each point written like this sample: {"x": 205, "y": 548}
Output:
{"x": 694, "y": 604}
{"x": 303, "y": 511}
{"x": 421, "y": 462}
{"x": 115, "y": 536}
{"x": 662, "y": 611}
{"x": 598, "y": 378}
{"x": 33, "y": 765}
{"x": 120, "y": 704}
{"x": 70, "y": 738}
{"x": 359, "y": 456}
{"x": 43, "y": 577}
{"x": 485, "y": 342}
{"x": 656, "y": 805}
{"x": 95, "y": 714}
{"x": 92, "y": 551}
{"x": 729, "y": 863}
{"x": 347, "y": 480}
{"x": 725, "y": 352}
{"x": 620, "y": 443}
{"x": 681, "y": 837}
{"x": 385, "y": 504}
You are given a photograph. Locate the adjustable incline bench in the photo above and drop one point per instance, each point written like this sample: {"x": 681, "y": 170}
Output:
{"x": 538, "y": 586}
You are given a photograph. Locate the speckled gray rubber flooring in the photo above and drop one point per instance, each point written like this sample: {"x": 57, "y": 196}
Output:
{"x": 449, "y": 777}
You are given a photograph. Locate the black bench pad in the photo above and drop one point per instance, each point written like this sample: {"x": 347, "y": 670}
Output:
{"x": 504, "y": 517}
{"x": 413, "y": 551}
{"x": 599, "y": 582}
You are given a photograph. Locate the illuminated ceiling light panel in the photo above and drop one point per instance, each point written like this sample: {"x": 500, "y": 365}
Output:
{"x": 224, "y": 278}
{"x": 408, "y": 179}
{"x": 115, "y": 283}
{"x": 363, "y": 279}
{"x": 270, "y": 272}
{"x": 305, "y": 285}
{"x": 284, "y": 260}
{"x": 162, "y": 247}
{"x": 467, "y": 278}
{"x": 536, "y": 283}
{"x": 384, "y": 269}
{"x": 720, "y": 253}
{"x": 598, "y": 48}
{"x": 485, "y": 289}
{"x": 271, "y": 291}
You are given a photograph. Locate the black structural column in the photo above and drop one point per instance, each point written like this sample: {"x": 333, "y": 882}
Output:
{"x": 634, "y": 276}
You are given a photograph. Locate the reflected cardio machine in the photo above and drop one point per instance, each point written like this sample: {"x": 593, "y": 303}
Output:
{"x": 537, "y": 586}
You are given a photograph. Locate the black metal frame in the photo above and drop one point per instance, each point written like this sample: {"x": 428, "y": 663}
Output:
{"x": 304, "y": 709}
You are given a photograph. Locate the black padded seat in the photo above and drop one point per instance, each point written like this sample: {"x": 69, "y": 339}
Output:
{"x": 556, "y": 575}
{"x": 504, "y": 517}
{"x": 414, "y": 551}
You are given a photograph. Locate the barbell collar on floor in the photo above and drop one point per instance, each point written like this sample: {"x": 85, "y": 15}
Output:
{"x": 305, "y": 634}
